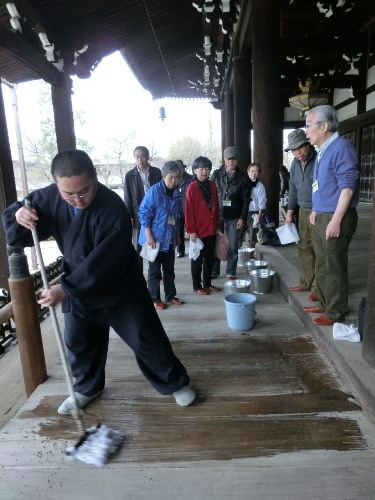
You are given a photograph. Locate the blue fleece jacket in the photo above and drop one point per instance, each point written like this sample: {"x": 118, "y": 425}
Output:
{"x": 160, "y": 213}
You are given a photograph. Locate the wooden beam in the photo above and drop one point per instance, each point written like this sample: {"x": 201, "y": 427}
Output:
{"x": 29, "y": 56}
{"x": 333, "y": 81}
{"x": 322, "y": 44}
{"x": 34, "y": 17}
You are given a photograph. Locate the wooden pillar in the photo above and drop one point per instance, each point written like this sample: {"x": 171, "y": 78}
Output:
{"x": 8, "y": 192}
{"x": 229, "y": 119}
{"x": 267, "y": 110}
{"x": 25, "y": 314}
{"x": 368, "y": 346}
{"x": 242, "y": 108}
{"x": 63, "y": 113}
{"x": 222, "y": 130}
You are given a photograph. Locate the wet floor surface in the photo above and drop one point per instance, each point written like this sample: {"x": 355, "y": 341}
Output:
{"x": 273, "y": 419}
{"x": 257, "y": 396}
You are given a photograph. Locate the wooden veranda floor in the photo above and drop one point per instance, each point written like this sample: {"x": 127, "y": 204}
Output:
{"x": 273, "y": 418}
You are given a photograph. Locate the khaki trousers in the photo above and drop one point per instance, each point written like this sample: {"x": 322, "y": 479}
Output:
{"x": 306, "y": 252}
{"x": 331, "y": 271}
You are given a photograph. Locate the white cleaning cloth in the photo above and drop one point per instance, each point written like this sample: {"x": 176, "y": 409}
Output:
{"x": 195, "y": 248}
{"x": 255, "y": 220}
{"x": 149, "y": 253}
{"x": 288, "y": 234}
{"x": 345, "y": 332}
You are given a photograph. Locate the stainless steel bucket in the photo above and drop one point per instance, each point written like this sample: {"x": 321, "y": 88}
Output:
{"x": 236, "y": 286}
{"x": 251, "y": 265}
{"x": 244, "y": 254}
{"x": 261, "y": 280}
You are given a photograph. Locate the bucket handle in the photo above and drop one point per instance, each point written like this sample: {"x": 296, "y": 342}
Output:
{"x": 247, "y": 307}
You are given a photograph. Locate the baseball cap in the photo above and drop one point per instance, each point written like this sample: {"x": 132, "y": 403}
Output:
{"x": 231, "y": 152}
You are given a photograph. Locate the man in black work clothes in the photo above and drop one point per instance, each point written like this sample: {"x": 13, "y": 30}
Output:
{"x": 101, "y": 286}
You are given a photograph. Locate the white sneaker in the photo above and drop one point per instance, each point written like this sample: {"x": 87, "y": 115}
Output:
{"x": 69, "y": 405}
{"x": 185, "y": 396}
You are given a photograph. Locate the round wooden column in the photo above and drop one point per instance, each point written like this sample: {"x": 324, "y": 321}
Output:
{"x": 242, "y": 108}
{"x": 8, "y": 193}
{"x": 267, "y": 110}
{"x": 63, "y": 113}
{"x": 229, "y": 119}
{"x": 222, "y": 122}
{"x": 25, "y": 314}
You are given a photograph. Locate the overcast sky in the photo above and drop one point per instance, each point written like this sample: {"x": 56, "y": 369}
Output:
{"x": 114, "y": 105}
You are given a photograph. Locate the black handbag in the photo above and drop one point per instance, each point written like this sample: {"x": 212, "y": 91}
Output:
{"x": 267, "y": 234}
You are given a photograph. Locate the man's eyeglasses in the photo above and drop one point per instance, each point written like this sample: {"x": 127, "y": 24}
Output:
{"x": 86, "y": 192}
{"x": 76, "y": 197}
{"x": 311, "y": 125}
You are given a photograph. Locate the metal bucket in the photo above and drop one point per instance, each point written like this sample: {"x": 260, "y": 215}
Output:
{"x": 244, "y": 254}
{"x": 236, "y": 286}
{"x": 256, "y": 264}
{"x": 261, "y": 280}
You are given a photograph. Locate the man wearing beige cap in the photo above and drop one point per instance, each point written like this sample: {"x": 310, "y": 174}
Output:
{"x": 300, "y": 195}
{"x": 234, "y": 196}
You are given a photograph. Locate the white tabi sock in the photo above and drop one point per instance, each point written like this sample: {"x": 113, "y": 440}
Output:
{"x": 185, "y": 396}
{"x": 82, "y": 400}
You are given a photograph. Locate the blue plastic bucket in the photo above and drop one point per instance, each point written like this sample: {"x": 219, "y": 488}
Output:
{"x": 240, "y": 309}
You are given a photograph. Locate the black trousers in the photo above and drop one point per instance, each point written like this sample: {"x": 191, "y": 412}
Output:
{"x": 165, "y": 261}
{"x": 138, "y": 324}
{"x": 181, "y": 234}
{"x": 205, "y": 261}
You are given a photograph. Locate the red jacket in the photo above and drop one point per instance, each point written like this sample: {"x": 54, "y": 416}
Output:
{"x": 198, "y": 218}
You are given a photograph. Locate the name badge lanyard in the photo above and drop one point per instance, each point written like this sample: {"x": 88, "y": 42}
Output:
{"x": 227, "y": 181}
{"x": 315, "y": 184}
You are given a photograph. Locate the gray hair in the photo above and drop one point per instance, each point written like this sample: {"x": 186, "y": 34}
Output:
{"x": 170, "y": 167}
{"x": 326, "y": 113}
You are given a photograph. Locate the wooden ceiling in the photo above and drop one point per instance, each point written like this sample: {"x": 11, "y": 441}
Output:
{"x": 183, "y": 48}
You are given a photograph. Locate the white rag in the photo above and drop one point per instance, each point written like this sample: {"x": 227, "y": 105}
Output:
{"x": 255, "y": 221}
{"x": 149, "y": 253}
{"x": 345, "y": 332}
{"x": 195, "y": 248}
{"x": 288, "y": 234}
